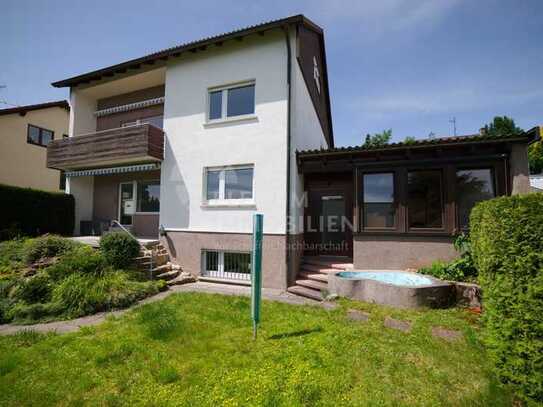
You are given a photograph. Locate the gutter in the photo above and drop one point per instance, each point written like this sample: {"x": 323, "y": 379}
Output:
{"x": 289, "y": 69}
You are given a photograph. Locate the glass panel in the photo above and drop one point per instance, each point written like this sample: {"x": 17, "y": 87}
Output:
{"x": 238, "y": 184}
{"x": 212, "y": 261}
{"x": 33, "y": 134}
{"x": 333, "y": 214}
{"x": 424, "y": 201}
{"x": 215, "y": 105}
{"x": 472, "y": 186}
{"x": 148, "y": 196}
{"x": 127, "y": 194}
{"x": 379, "y": 210}
{"x": 213, "y": 180}
{"x": 241, "y": 101}
{"x": 157, "y": 121}
{"x": 46, "y": 137}
{"x": 237, "y": 263}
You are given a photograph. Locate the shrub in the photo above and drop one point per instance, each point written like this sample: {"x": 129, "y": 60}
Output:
{"x": 34, "y": 289}
{"x": 83, "y": 259}
{"x": 31, "y": 212}
{"x": 29, "y": 313}
{"x": 461, "y": 269}
{"x": 119, "y": 249}
{"x": 507, "y": 240}
{"x": 11, "y": 256}
{"x": 81, "y": 294}
{"x": 47, "y": 246}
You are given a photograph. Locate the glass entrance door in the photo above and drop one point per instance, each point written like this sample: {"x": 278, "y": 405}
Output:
{"x": 333, "y": 225}
{"x": 127, "y": 202}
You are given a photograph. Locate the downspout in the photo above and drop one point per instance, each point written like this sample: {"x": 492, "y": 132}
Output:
{"x": 289, "y": 66}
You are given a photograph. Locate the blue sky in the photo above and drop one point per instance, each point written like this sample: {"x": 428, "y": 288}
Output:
{"x": 408, "y": 65}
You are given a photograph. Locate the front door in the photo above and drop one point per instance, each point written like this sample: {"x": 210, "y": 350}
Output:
{"x": 127, "y": 202}
{"x": 329, "y": 222}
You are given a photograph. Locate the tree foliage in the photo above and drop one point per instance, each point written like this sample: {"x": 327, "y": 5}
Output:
{"x": 502, "y": 126}
{"x": 378, "y": 139}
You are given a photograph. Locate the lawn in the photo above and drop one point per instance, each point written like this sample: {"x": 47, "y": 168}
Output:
{"x": 196, "y": 350}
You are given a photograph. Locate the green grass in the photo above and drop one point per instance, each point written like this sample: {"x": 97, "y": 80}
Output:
{"x": 196, "y": 350}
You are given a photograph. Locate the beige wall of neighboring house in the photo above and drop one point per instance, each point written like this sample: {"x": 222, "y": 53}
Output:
{"x": 23, "y": 164}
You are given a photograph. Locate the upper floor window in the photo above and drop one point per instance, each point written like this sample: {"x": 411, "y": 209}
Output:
{"x": 231, "y": 101}
{"x": 472, "y": 186}
{"x": 233, "y": 184}
{"x": 39, "y": 136}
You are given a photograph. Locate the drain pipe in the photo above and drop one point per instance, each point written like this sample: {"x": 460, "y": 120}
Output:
{"x": 286, "y": 29}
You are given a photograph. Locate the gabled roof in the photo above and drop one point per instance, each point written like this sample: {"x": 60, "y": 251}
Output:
{"x": 176, "y": 51}
{"x": 528, "y": 137}
{"x": 23, "y": 109}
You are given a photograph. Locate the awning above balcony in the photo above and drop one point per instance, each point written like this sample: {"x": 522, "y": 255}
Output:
{"x": 114, "y": 170}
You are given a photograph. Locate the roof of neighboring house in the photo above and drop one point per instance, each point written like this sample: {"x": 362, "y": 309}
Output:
{"x": 23, "y": 109}
{"x": 189, "y": 46}
{"x": 528, "y": 136}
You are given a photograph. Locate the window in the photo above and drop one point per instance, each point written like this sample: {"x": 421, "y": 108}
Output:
{"x": 379, "y": 208}
{"x": 37, "y": 135}
{"x": 157, "y": 121}
{"x": 228, "y": 265}
{"x": 62, "y": 182}
{"x": 233, "y": 184}
{"x": 231, "y": 101}
{"x": 148, "y": 196}
{"x": 424, "y": 200}
{"x": 472, "y": 186}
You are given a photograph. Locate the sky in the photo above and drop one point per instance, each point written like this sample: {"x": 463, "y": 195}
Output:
{"x": 406, "y": 65}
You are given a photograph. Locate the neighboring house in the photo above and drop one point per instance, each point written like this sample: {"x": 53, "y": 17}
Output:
{"x": 536, "y": 182}
{"x": 25, "y": 132}
{"x": 195, "y": 139}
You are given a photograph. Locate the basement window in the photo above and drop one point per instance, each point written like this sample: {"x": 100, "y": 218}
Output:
{"x": 226, "y": 265}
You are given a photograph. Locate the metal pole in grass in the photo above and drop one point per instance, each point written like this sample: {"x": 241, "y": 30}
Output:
{"x": 256, "y": 271}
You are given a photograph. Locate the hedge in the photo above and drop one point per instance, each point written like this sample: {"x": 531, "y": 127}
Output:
{"x": 30, "y": 212}
{"x": 507, "y": 245}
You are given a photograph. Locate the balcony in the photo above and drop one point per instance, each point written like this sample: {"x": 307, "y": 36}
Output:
{"x": 134, "y": 144}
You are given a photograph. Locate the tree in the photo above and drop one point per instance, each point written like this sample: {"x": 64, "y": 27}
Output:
{"x": 378, "y": 139}
{"x": 535, "y": 157}
{"x": 409, "y": 140}
{"x": 501, "y": 126}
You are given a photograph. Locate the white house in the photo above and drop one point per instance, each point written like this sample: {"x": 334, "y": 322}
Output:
{"x": 195, "y": 139}
{"x": 190, "y": 142}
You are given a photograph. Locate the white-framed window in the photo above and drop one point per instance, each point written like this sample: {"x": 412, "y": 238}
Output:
{"x": 226, "y": 264}
{"x": 229, "y": 185}
{"x": 231, "y": 101}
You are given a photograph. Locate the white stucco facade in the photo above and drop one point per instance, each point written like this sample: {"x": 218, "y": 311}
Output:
{"x": 192, "y": 145}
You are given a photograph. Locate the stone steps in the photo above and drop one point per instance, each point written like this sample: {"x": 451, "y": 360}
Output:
{"x": 313, "y": 276}
{"x": 306, "y": 292}
{"x": 315, "y": 285}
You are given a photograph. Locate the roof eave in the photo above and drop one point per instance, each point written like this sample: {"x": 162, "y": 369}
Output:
{"x": 176, "y": 51}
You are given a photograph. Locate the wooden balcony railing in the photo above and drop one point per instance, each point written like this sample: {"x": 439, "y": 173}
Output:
{"x": 132, "y": 144}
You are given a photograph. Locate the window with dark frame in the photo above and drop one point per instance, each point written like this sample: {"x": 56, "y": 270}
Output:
{"x": 425, "y": 199}
{"x": 379, "y": 211}
{"x": 472, "y": 186}
{"x": 148, "y": 196}
{"x": 39, "y": 136}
